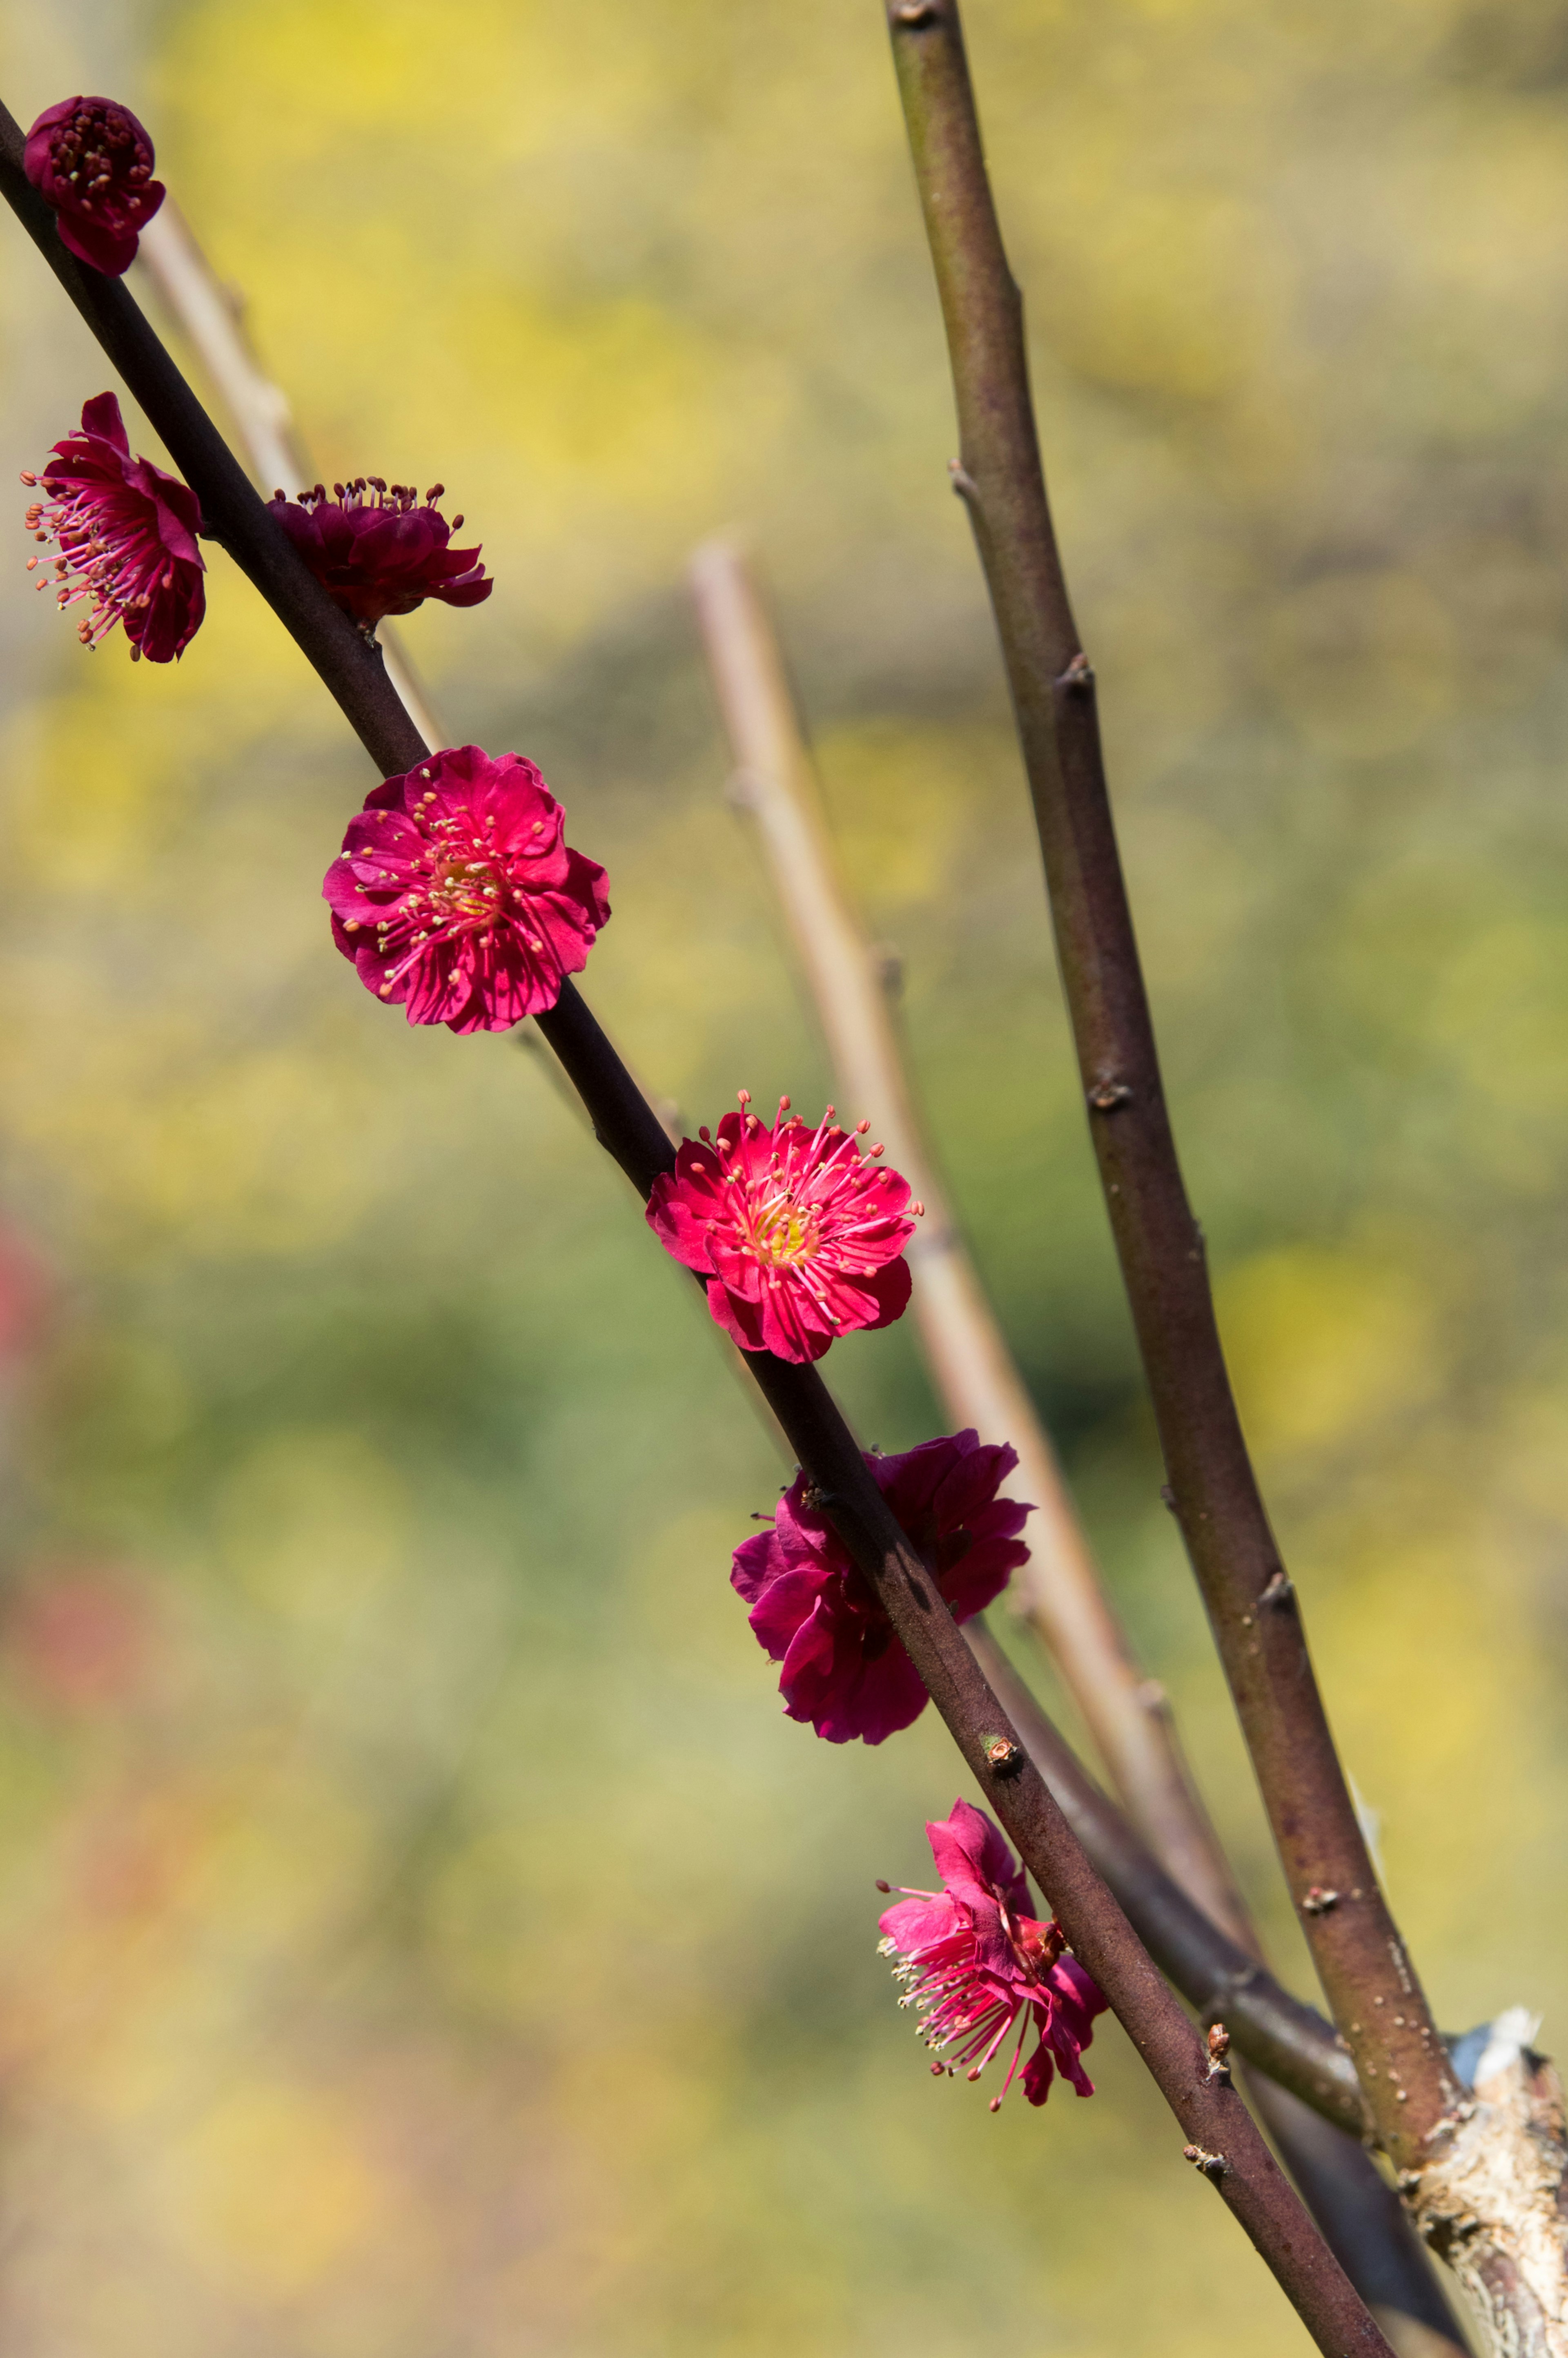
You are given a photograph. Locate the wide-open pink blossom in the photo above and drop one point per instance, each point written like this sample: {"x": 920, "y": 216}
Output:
{"x": 377, "y": 549}
{"x": 126, "y": 536}
{"x": 93, "y": 161}
{"x": 844, "y": 1667}
{"x": 801, "y": 1238}
{"x": 973, "y": 1961}
{"x": 457, "y": 895}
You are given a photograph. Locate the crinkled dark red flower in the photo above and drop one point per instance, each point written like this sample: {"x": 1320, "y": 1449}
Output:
{"x": 800, "y": 1237}
{"x": 91, "y": 160}
{"x": 126, "y": 536}
{"x": 457, "y": 895}
{"x": 844, "y": 1667}
{"x": 973, "y": 1959}
{"x": 377, "y": 549}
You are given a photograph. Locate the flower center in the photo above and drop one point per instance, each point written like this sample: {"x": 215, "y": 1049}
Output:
{"x": 93, "y": 147}
{"x": 783, "y": 1233}
{"x": 463, "y": 892}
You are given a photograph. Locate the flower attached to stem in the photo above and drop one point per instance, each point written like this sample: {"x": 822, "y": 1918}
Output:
{"x": 91, "y": 160}
{"x": 377, "y": 549}
{"x": 844, "y": 1666}
{"x": 973, "y": 1961}
{"x": 801, "y": 1240}
{"x": 126, "y": 536}
{"x": 457, "y": 895}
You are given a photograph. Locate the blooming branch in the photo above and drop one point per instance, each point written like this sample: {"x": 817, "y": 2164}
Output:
{"x": 1209, "y": 2111}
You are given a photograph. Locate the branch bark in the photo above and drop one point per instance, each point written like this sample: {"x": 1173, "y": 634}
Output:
{"x": 1059, "y": 1588}
{"x": 1223, "y": 2140}
{"x": 1366, "y": 1974}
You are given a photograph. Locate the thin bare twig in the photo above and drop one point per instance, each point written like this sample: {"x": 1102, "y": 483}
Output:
{"x": 1223, "y": 2139}
{"x": 1061, "y": 1591}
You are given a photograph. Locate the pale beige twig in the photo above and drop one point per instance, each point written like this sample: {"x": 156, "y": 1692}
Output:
{"x": 974, "y": 1371}
{"x": 212, "y": 317}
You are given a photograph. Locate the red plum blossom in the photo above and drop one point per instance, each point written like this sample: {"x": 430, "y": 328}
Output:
{"x": 377, "y": 549}
{"x": 457, "y": 895}
{"x": 844, "y": 1667}
{"x": 91, "y": 160}
{"x": 126, "y": 536}
{"x": 801, "y": 1239}
{"x": 973, "y": 1959}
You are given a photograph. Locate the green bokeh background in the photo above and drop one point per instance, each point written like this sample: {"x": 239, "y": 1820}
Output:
{"x": 420, "y": 1934}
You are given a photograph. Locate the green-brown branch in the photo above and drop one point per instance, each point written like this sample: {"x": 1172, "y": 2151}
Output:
{"x": 1366, "y": 1973}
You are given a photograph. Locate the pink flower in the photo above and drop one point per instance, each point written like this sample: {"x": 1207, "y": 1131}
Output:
{"x": 377, "y": 550}
{"x": 974, "y": 1959}
{"x": 91, "y": 160}
{"x": 801, "y": 1240}
{"x": 456, "y": 893}
{"x": 814, "y": 1610}
{"x": 126, "y": 535}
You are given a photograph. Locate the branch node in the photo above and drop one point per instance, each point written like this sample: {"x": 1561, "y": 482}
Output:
{"x": 913, "y": 15}
{"x": 964, "y": 482}
{"x": 887, "y": 965}
{"x": 1214, "y": 2166}
{"x": 1109, "y": 1096}
{"x": 1318, "y": 1902}
{"x": 1218, "y": 2049}
{"x": 1079, "y": 673}
{"x": 1282, "y": 1588}
{"x": 1004, "y": 1758}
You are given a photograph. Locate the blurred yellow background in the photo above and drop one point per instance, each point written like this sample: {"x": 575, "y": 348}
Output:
{"x": 420, "y": 1934}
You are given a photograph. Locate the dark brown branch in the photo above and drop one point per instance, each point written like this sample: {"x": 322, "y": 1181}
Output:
{"x": 1215, "y": 1974}
{"x": 1366, "y": 1973}
{"x": 1303, "y": 2083}
{"x": 1222, "y": 2137}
